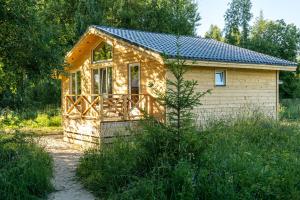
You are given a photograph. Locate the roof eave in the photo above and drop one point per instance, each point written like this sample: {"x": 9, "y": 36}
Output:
{"x": 90, "y": 30}
{"x": 219, "y": 64}
{"x": 93, "y": 30}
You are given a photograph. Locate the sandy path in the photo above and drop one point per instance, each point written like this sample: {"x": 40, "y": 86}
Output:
{"x": 65, "y": 158}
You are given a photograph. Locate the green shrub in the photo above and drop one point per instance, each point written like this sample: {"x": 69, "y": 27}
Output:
{"x": 290, "y": 109}
{"x": 42, "y": 120}
{"x": 25, "y": 169}
{"x": 55, "y": 121}
{"x": 30, "y": 118}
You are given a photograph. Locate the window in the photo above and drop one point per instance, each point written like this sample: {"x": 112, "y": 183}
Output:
{"x": 102, "y": 52}
{"x": 220, "y": 78}
{"x": 102, "y": 81}
{"x": 75, "y": 83}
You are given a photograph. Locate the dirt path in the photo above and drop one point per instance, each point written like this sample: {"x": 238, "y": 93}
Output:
{"x": 65, "y": 158}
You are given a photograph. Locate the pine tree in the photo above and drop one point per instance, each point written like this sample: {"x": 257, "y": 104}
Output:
{"x": 180, "y": 97}
{"x": 237, "y": 18}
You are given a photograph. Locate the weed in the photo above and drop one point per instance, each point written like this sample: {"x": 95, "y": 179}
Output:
{"x": 25, "y": 168}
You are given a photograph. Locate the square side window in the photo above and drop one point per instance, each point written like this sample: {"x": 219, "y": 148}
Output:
{"x": 220, "y": 78}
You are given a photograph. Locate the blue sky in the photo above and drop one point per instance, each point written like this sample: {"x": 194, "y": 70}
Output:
{"x": 212, "y": 11}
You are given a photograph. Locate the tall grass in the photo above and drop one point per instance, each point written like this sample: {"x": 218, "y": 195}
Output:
{"x": 290, "y": 109}
{"x": 31, "y": 118}
{"x": 255, "y": 158}
{"x": 251, "y": 158}
{"x": 25, "y": 169}
{"x": 147, "y": 167}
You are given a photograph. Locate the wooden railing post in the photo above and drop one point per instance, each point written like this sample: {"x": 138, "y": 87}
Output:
{"x": 67, "y": 104}
{"x": 101, "y": 108}
{"x": 146, "y": 109}
{"x": 151, "y": 106}
{"x": 125, "y": 107}
{"x": 81, "y": 105}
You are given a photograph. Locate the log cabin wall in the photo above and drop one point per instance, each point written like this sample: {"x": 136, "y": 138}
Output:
{"x": 246, "y": 91}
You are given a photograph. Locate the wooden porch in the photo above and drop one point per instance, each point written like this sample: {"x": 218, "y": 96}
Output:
{"x": 113, "y": 107}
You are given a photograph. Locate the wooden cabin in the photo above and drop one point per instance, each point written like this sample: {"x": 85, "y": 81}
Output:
{"x": 109, "y": 70}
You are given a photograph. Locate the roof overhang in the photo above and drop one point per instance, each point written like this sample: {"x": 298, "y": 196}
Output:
{"x": 236, "y": 65}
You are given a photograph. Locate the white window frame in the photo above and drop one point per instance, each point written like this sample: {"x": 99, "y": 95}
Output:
{"x": 102, "y": 61}
{"x": 225, "y": 77}
{"x": 99, "y": 84}
{"x": 129, "y": 76}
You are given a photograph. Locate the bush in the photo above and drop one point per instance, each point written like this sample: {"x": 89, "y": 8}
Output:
{"x": 290, "y": 109}
{"x": 42, "y": 120}
{"x": 30, "y": 118}
{"x": 55, "y": 121}
{"x": 25, "y": 169}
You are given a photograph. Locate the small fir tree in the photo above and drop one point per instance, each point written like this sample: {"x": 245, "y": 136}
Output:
{"x": 179, "y": 99}
{"x": 178, "y": 138}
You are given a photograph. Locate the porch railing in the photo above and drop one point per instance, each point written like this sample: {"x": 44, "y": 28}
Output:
{"x": 113, "y": 107}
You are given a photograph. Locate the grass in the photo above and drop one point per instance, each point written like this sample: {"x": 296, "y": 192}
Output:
{"x": 146, "y": 167}
{"x": 25, "y": 168}
{"x": 32, "y": 120}
{"x": 251, "y": 158}
{"x": 40, "y": 131}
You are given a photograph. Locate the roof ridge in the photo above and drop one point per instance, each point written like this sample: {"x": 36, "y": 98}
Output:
{"x": 141, "y": 31}
{"x": 250, "y": 50}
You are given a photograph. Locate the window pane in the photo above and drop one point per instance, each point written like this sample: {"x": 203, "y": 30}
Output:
{"x": 73, "y": 82}
{"x": 102, "y": 52}
{"x": 134, "y": 75}
{"x": 103, "y": 80}
{"x": 220, "y": 78}
{"x": 109, "y": 80}
{"x": 96, "y": 83}
{"x": 78, "y": 83}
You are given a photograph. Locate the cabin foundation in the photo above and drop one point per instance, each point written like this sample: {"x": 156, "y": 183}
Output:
{"x": 92, "y": 133}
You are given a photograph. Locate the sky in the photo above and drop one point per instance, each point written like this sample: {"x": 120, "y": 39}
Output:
{"x": 212, "y": 12}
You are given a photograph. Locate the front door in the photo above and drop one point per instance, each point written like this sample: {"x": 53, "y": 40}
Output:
{"x": 134, "y": 82}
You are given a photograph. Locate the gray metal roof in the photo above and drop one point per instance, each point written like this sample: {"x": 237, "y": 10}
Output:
{"x": 192, "y": 48}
